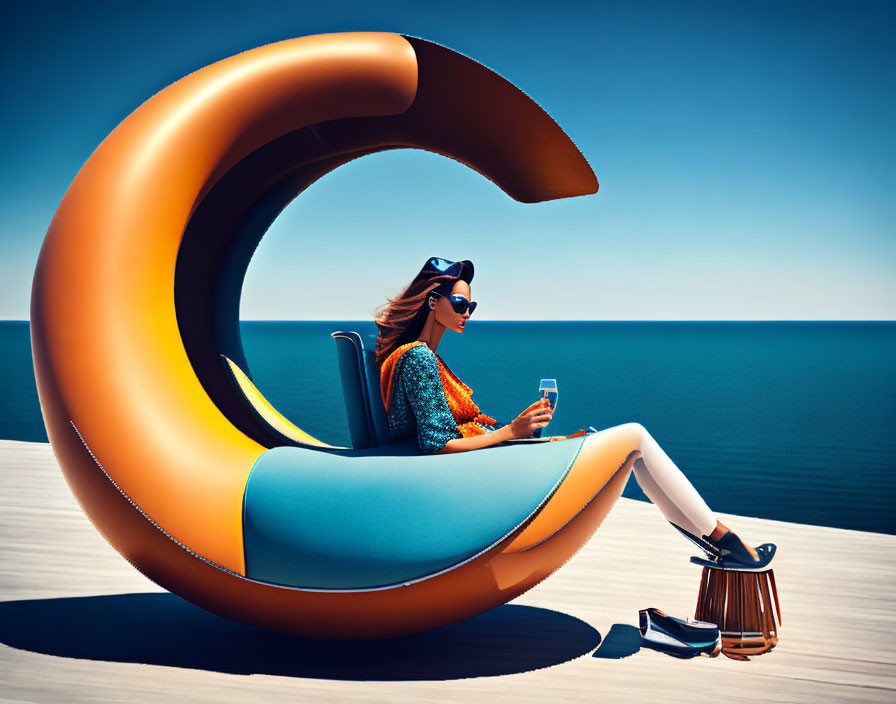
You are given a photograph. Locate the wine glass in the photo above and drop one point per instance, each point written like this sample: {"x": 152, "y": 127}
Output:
{"x": 548, "y": 389}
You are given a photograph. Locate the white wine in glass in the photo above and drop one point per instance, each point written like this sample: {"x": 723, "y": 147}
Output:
{"x": 548, "y": 389}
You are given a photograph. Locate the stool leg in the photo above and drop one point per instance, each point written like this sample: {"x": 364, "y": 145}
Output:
{"x": 701, "y": 594}
{"x": 770, "y": 615}
{"x": 771, "y": 579}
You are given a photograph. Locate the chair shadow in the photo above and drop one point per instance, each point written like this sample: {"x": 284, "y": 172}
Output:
{"x": 621, "y": 641}
{"x": 163, "y": 629}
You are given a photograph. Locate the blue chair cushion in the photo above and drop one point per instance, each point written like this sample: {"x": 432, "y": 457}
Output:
{"x": 360, "y": 375}
{"x": 372, "y": 518}
{"x": 375, "y": 396}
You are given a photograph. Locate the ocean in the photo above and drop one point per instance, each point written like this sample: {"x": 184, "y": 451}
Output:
{"x": 792, "y": 421}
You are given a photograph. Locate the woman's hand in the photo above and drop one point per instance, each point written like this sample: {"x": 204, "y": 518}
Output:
{"x": 538, "y": 415}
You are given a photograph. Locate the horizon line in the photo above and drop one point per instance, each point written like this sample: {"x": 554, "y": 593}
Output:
{"x": 565, "y": 320}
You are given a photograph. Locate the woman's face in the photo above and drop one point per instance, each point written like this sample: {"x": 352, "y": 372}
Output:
{"x": 445, "y": 313}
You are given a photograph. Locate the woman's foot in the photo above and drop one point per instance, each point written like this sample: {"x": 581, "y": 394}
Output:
{"x": 712, "y": 552}
{"x": 725, "y": 549}
{"x": 721, "y": 530}
{"x": 734, "y": 553}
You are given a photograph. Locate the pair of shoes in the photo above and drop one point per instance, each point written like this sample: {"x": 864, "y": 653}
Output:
{"x": 732, "y": 554}
{"x": 681, "y": 639}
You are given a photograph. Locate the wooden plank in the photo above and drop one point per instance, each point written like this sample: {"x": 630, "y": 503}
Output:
{"x": 78, "y": 623}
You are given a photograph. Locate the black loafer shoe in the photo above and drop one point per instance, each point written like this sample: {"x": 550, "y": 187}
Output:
{"x": 712, "y": 552}
{"x": 681, "y": 639}
{"x": 733, "y": 554}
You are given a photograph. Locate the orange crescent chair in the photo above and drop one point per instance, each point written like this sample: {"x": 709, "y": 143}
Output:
{"x": 135, "y": 304}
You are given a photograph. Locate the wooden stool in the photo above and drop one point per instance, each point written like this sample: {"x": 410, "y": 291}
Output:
{"x": 740, "y": 603}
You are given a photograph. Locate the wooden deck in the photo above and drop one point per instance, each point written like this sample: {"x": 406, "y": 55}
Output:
{"x": 78, "y": 623}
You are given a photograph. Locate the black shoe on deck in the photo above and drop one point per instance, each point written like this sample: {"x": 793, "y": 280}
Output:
{"x": 681, "y": 639}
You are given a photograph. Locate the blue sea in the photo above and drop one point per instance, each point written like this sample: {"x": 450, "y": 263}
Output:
{"x": 786, "y": 420}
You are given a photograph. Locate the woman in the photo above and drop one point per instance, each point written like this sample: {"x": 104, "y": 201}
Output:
{"x": 422, "y": 395}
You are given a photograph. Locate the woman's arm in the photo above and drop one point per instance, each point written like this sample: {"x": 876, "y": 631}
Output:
{"x": 436, "y": 430}
{"x": 477, "y": 441}
{"x": 538, "y": 415}
{"x": 419, "y": 374}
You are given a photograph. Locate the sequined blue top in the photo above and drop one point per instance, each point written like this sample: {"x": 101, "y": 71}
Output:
{"x": 418, "y": 401}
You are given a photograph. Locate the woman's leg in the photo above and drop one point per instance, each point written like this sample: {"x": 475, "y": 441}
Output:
{"x": 667, "y": 487}
{"x": 665, "y": 484}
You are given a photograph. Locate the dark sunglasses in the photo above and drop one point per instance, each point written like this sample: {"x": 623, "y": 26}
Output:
{"x": 459, "y": 303}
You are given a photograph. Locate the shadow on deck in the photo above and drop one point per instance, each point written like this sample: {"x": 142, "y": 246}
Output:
{"x": 163, "y": 629}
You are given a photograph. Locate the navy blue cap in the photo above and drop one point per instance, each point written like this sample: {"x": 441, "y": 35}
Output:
{"x": 437, "y": 266}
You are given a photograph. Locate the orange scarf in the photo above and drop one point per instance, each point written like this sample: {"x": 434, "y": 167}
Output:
{"x": 459, "y": 396}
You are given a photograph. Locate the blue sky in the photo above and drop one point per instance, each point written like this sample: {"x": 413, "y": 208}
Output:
{"x": 745, "y": 153}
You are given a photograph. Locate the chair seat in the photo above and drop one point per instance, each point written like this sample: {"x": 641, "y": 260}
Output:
{"x": 366, "y": 519}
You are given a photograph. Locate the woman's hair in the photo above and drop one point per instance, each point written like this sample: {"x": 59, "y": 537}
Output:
{"x": 400, "y": 320}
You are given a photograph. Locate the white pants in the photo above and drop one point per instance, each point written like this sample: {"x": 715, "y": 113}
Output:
{"x": 664, "y": 483}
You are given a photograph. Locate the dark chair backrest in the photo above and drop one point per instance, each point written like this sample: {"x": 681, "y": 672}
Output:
{"x": 360, "y": 376}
